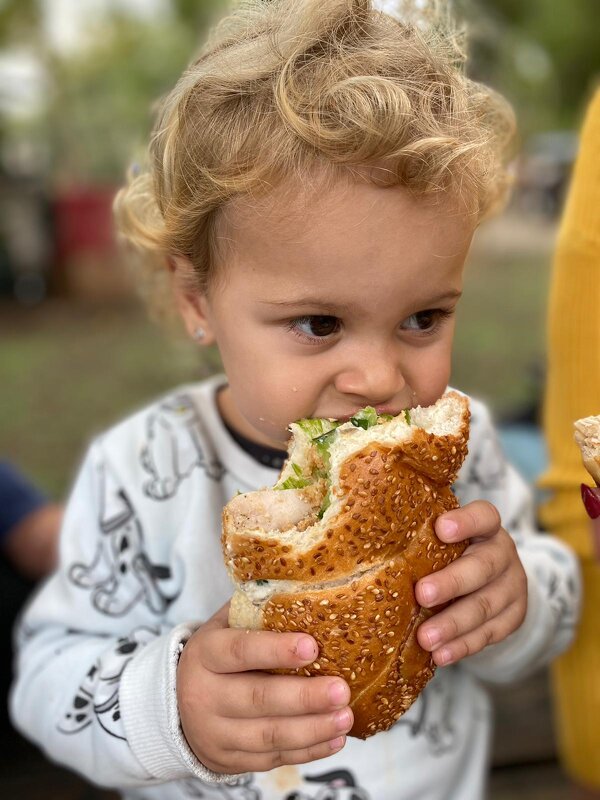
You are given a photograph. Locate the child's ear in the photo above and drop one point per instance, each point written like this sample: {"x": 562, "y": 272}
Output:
{"x": 192, "y": 304}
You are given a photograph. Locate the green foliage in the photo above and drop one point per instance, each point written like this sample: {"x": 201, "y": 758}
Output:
{"x": 99, "y": 114}
{"x": 544, "y": 56}
{"x": 18, "y": 19}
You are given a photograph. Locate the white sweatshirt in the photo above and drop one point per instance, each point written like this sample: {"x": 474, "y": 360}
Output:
{"x": 141, "y": 568}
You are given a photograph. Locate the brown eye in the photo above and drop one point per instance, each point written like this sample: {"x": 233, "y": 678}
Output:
{"x": 322, "y": 326}
{"x": 426, "y": 321}
{"x": 316, "y": 327}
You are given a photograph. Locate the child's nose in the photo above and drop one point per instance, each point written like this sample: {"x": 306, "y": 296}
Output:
{"x": 375, "y": 378}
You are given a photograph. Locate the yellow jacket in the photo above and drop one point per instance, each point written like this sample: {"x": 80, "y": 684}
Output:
{"x": 573, "y": 391}
{"x": 573, "y": 387}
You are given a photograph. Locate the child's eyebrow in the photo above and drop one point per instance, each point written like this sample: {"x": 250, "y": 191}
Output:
{"x": 319, "y": 302}
{"x": 313, "y": 302}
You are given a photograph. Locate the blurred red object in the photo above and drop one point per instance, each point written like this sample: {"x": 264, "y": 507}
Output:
{"x": 87, "y": 261}
{"x": 83, "y": 222}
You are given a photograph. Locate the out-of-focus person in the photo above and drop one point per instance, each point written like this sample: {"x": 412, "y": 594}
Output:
{"x": 573, "y": 392}
{"x": 29, "y": 525}
{"x": 29, "y": 532}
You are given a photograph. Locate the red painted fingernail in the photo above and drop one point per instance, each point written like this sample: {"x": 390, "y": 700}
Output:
{"x": 591, "y": 500}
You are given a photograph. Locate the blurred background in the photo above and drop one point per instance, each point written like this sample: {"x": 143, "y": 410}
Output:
{"x": 78, "y": 79}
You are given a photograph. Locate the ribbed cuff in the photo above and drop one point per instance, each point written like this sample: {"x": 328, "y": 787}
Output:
{"x": 148, "y": 699}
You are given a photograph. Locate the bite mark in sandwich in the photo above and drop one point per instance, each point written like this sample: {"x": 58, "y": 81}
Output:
{"x": 336, "y": 547}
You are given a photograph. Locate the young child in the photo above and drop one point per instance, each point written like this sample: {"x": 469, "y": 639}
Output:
{"x": 317, "y": 176}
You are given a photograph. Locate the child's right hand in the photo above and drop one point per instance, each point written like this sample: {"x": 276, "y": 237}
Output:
{"x": 237, "y": 719}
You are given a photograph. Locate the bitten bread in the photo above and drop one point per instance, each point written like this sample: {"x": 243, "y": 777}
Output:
{"x": 587, "y": 436}
{"x": 336, "y": 547}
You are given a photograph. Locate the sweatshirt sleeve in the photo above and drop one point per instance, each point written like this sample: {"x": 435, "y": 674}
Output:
{"x": 96, "y": 656}
{"x": 554, "y": 582}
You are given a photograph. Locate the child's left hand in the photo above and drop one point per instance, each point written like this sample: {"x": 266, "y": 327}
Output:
{"x": 486, "y": 587}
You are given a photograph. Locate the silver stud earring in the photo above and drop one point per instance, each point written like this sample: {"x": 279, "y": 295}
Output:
{"x": 199, "y": 334}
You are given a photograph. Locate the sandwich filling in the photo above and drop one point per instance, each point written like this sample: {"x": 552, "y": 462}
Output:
{"x": 312, "y": 440}
{"x": 308, "y": 494}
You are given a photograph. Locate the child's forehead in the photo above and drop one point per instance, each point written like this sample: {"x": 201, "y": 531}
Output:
{"x": 295, "y": 209}
{"x": 349, "y": 241}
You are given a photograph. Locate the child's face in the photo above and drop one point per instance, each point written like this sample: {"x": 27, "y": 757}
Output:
{"x": 333, "y": 305}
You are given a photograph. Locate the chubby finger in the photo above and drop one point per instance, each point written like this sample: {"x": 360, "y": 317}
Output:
{"x": 240, "y": 650}
{"x": 276, "y": 734}
{"x": 492, "y": 632}
{"x": 470, "y": 612}
{"x": 479, "y": 519}
{"x": 241, "y": 761}
{"x": 256, "y": 694}
{"x": 482, "y": 563}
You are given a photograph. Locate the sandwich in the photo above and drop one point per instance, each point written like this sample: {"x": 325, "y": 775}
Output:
{"x": 336, "y": 546}
{"x": 587, "y": 436}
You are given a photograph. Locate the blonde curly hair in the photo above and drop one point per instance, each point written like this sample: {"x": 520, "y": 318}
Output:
{"x": 284, "y": 87}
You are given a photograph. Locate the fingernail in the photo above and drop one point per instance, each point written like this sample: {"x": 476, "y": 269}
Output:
{"x": 447, "y": 528}
{"x": 337, "y": 744}
{"x": 443, "y": 657}
{"x": 342, "y": 720}
{"x": 428, "y": 592}
{"x": 305, "y": 649}
{"x": 338, "y": 693}
{"x": 591, "y": 501}
{"x": 434, "y": 636}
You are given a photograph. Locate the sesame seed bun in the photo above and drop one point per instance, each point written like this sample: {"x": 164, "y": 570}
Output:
{"x": 587, "y": 436}
{"x": 348, "y": 577}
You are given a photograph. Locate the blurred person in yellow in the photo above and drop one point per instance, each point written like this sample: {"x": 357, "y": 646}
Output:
{"x": 573, "y": 391}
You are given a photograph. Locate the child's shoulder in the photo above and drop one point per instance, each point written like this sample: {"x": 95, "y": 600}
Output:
{"x": 173, "y": 428}
{"x": 180, "y": 407}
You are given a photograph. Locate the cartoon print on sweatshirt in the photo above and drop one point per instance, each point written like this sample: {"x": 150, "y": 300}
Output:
{"x": 560, "y": 593}
{"x": 120, "y": 574}
{"x": 485, "y": 469}
{"x": 430, "y": 716}
{"x": 97, "y": 697}
{"x": 339, "y": 784}
{"x": 174, "y": 449}
{"x": 197, "y": 788}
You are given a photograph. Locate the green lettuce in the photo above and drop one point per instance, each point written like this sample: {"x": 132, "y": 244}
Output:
{"x": 314, "y": 428}
{"x": 297, "y": 481}
{"x": 365, "y": 418}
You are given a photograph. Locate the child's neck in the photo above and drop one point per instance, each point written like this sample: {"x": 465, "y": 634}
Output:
{"x": 267, "y": 456}
{"x": 240, "y": 428}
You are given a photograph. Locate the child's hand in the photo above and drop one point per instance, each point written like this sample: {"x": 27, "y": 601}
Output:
{"x": 237, "y": 719}
{"x": 486, "y": 587}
